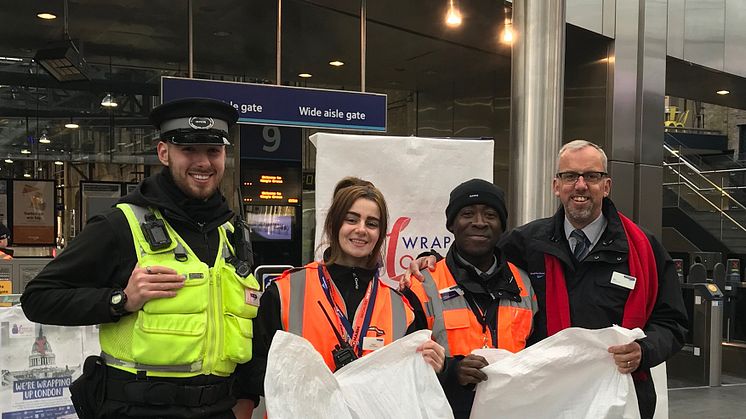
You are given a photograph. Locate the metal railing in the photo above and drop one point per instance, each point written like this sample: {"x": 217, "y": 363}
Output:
{"x": 697, "y": 181}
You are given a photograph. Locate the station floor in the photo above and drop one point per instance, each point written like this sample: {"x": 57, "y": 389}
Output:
{"x": 725, "y": 402}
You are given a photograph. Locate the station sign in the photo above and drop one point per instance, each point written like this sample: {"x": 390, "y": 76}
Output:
{"x": 268, "y": 104}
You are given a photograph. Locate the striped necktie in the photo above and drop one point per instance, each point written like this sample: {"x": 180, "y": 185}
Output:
{"x": 581, "y": 244}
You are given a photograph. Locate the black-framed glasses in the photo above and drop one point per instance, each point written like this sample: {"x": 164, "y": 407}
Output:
{"x": 569, "y": 178}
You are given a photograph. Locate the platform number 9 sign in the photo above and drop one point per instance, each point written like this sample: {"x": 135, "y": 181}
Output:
{"x": 271, "y": 136}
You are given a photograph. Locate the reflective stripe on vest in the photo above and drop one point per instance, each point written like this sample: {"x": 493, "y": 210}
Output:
{"x": 514, "y": 319}
{"x": 300, "y": 314}
{"x": 110, "y": 360}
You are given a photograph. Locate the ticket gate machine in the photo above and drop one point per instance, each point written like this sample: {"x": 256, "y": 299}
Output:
{"x": 700, "y": 360}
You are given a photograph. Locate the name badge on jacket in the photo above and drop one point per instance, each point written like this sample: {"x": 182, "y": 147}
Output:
{"x": 372, "y": 343}
{"x": 252, "y": 297}
{"x": 450, "y": 292}
{"x": 625, "y": 281}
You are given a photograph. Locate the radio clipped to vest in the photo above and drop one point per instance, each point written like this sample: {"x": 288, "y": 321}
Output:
{"x": 244, "y": 255}
{"x": 243, "y": 259}
{"x": 343, "y": 353}
{"x": 155, "y": 232}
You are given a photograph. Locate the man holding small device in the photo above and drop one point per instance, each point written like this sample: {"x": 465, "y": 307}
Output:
{"x": 166, "y": 276}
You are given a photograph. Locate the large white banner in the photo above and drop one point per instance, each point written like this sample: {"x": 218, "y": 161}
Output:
{"x": 415, "y": 175}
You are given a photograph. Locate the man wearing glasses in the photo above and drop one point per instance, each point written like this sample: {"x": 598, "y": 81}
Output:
{"x": 592, "y": 267}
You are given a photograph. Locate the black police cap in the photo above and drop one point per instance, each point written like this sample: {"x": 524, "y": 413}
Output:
{"x": 194, "y": 121}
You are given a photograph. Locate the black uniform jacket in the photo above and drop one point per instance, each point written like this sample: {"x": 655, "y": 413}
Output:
{"x": 594, "y": 301}
{"x": 74, "y": 288}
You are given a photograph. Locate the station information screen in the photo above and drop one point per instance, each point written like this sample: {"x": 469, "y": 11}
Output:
{"x": 273, "y": 186}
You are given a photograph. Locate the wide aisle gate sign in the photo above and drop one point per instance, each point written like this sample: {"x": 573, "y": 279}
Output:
{"x": 268, "y": 104}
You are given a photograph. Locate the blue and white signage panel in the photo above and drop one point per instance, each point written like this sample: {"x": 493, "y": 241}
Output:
{"x": 287, "y": 106}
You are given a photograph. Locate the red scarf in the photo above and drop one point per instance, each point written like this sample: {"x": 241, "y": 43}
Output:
{"x": 641, "y": 299}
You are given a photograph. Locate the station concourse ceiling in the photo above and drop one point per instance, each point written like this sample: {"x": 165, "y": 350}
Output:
{"x": 129, "y": 44}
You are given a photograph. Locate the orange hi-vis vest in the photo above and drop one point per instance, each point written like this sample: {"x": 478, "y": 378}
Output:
{"x": 300, "y": 292}
{"x": 454, "y": 324}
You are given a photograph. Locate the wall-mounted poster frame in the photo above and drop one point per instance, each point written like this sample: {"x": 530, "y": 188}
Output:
{"x": 97, "y": 197}
{"x": 33, "y": 217}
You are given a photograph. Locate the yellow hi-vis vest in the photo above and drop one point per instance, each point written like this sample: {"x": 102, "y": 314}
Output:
{"x": 205, "y": 329}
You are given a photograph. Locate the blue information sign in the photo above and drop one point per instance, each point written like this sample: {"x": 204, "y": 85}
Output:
{"x": 288, "y": 106}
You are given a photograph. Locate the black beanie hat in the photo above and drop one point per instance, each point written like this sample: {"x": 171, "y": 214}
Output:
{"x": 476, "y": 191}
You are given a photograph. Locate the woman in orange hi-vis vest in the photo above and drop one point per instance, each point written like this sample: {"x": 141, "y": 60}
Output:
{"x": 339, "y": 303}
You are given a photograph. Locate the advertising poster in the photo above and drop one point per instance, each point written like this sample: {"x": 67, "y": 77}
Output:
{"x": 37, "y": 364}
{"x": 33, "y": 212}
{"x": 97, "y": 197}
{"x": 414, "y": 174}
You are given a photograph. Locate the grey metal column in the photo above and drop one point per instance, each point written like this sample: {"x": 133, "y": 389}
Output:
{"x": 635, "y": 137}
{"x": 536, "y": 106}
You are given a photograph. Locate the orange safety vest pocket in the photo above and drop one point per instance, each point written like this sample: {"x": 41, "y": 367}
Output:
{"x": 456, "y": 319}
{"x": 514, "y": 323}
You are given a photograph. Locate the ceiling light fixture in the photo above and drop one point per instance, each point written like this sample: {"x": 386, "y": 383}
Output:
{"x": 46, "y": 15}
{"x": 27, "y": 175}
{"x": 8, "y": 160}
{"x": 109, "y": 102}
{"x": 305, "y": 75}
{"x": 71, "y": 124}
{"x": 62, "y": 60}
{"x": 59, "y": 163}
{"x": 25, "y": 151}
{"x": 723, "y": 92}
{"x": 453, "y": 16}
{"x": 44, "y": 139}
{"x": 336, "y": 63}
{"x": 506, "y": 37}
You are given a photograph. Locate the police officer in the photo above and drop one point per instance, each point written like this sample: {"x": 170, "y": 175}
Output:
{"x": 158, "y": 273}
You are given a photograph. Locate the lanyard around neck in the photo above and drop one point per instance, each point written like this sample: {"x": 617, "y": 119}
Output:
{"x": 361, "y": 329}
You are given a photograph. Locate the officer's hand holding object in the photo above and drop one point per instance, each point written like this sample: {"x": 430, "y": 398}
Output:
{"x": 149, "y": 282}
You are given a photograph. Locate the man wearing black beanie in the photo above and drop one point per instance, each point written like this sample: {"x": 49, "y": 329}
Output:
{"x": 474, "y": 298}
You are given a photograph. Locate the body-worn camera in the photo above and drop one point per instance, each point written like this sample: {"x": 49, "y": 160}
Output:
{"x": 155, "y": 232}
{"x": 244, "y": 258}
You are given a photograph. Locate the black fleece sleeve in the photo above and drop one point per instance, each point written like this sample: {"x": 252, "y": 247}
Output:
{"x": 74, "y": 288}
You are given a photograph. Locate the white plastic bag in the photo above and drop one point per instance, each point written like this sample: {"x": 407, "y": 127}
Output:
{"x": 392, "y": 382}
{"x": 568, "y": 375}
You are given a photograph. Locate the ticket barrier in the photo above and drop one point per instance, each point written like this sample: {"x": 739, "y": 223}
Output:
{"x": 699, "y": 363}
{"x": 734, "y": 324}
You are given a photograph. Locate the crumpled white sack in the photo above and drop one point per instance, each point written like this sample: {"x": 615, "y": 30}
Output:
{"x": 568, "y": 375}
{"x": 392, "y": 382}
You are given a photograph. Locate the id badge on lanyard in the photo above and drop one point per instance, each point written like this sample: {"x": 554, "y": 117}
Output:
{"x": 353, "y": 335}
